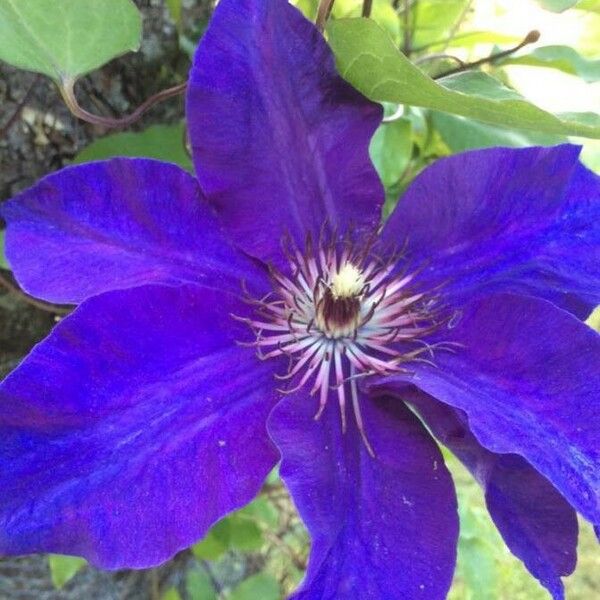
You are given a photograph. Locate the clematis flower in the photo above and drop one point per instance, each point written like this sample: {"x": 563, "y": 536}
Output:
{"x": 257, "y": 314}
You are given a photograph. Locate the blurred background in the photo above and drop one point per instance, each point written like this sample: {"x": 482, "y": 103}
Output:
{"x": 260, "y": 552}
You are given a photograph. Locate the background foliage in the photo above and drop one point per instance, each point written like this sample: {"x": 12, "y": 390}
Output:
{"x": 403, "y": 56}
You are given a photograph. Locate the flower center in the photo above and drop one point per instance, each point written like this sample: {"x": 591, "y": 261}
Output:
{"x": 337, "y": 311}
{"x": 341, "y": 315}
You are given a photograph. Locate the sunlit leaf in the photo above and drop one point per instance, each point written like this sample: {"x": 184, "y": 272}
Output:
{"x": 591, "y": 5}
{"x": 308, "y": 7}
{"x": 261, "y": 586}
{"x": 472, "y": 38}
{"x": 594, "y": 320}
{"x": 163, "y": 142}
{"x": 563, "y": 58}
{"x": 69, "y": 38}
{"x": 434, "y": 20}
{"x": 382, "y": 13}
{"x": 557, "y": 5}
{"x": 369, "y": 60}
{"x": 199, "y": 586}
{"x": 64, "y": 568}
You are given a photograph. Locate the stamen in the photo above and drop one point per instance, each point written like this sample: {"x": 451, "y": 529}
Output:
{"x": 343, "y": 314}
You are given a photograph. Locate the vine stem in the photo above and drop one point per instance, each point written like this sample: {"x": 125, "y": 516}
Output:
{"x": 531, "y": 38}
{"x": 323, "y": 13}
{"x": 67, "y": 91}
{"x": 366, "y": 8}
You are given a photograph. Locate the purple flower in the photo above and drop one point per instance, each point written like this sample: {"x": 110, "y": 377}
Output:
{"x": 146, "y": 415}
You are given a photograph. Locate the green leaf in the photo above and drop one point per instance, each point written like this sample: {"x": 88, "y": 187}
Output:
{"x": 477, "y": 567}
{"x": 244, "y": 533}
{"x": 64, "y": 568}
{"x": 69, "y": 38}
{"x": 462, "y": 134}
{"x": 307, "y": 7}
{"x": 590, "y": 5}
{"x": 240, "y": 530}
{"x": 368, "y": 59}
{"x": 382, "y": 13}
{"x": 3, "y": 262}
{"x": 215, "y": 543}
{"x": 557, "y": 6}
{"x": 563, "y": 58}
{"x": 163, "y": 142}
{"x": 273, "y": 476}
{"x": 261, "y": 586}
{"x": 171, "y": 594}
{"x": 262, "y": 511}
{"x": 199, "y": 586}
{"x": 391, "y": 149}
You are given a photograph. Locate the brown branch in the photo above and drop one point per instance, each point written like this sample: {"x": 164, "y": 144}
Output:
{"x": 323, "y": 13}
{"x": 531, "y": 38}
{"x": 68, "y": 93}
{"x": 366, "y": 8}
{"x": 45, "y": 306}
{"x": 11, "y": 121}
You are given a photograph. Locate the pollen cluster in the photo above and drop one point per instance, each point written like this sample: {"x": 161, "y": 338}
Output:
{"x": 348, "y": 282}
{"x": 342, "y": 313}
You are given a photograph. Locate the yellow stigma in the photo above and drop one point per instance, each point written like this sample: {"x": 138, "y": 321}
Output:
{"x": 347, "y": 282}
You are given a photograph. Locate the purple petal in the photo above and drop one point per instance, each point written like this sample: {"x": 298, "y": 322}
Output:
{"x": 536, "y": 522}
{"x": 383, "y": 527}
{"x": 280, "y": 141}
{"x": 116, "y": 224}
{"x": 501, "y": 219}
{"x": 132, "y": 428}
{"x": 526, "y": 375}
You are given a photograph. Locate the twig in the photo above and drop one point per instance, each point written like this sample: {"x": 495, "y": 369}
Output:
{"x": 366, "y": 8}
{"x": 11, "y": 121}
{"x": 531, "y": 38}
{"x": 68, "y": 93}
{"x": 323, "y": 13}
{"x": 45, "y": 306}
